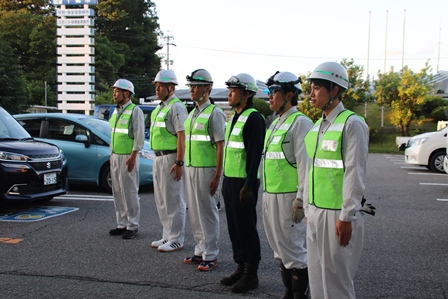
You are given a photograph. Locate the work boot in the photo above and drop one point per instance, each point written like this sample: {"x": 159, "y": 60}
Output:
{"x": 286, "y": 278}
{"x": 234, "y": 277}
{"x": 299, "y": 283}
{"x": 248, "y": 281}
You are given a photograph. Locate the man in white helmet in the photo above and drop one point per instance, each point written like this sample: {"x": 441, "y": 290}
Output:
{"x": 337, "y": 147}
{"x": 242, "y": 154}
{"x": 167, "y": 137}
{"x": 127, "y": 139}
{"x": 204, "y": 130}
{"x": 284, "y": 167}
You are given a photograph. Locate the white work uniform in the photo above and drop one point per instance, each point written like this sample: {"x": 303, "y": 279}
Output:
{"x": 202, "y": 209}
{"x": 169, "y": 193}
{"x": 286, "y": 238}
{"x": 332, "y": 267}
{"x": 125, "y": 184}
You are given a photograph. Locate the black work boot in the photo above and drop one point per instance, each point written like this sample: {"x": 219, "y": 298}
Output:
{"x": 299, "y": 285}
{"x": 286, "y": 278}
{"x": 234, "y": 277}
{"x": 248, "y": 281}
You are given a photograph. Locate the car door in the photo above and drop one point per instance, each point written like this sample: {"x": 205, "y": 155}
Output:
{"x": 80, "y": 155}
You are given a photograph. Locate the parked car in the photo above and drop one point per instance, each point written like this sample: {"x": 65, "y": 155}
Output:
{"x": 85, "y": 141}
{"x": 105, "y": 111}
{"x": 29, "y": 169}
{"x": 427, "y": 149}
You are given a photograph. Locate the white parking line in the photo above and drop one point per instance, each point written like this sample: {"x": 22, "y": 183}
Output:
{"x": 412, "y": 167}
{"x": 433, "y": 184}
{"x": 426, "y": 173}
{"x": 86, "y": 197}
{"x": 442, "y": 199}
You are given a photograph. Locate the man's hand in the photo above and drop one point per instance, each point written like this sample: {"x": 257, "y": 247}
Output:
{"x": 214, "y": 184}
{"x": 245, "y": 195}
{"x": 130, "y": 163}
{"x": 176, "y": 170}
{"x": 344, "y": 232}
{"x": 297, "y": 211}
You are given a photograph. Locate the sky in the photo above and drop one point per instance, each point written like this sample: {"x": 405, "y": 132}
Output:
{"x": 260, "y": 37}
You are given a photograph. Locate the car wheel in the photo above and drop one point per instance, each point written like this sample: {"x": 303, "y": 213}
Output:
{"x": 436, "y": 161}
{"x": 106, "y": 179}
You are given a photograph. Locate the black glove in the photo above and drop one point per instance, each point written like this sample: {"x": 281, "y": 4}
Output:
{"x": 245, "y": 195}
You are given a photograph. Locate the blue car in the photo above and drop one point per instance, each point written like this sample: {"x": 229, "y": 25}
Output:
{"x": 85, "y": 142}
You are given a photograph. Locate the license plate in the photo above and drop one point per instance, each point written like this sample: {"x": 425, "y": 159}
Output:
{"x": 50, "y": 178}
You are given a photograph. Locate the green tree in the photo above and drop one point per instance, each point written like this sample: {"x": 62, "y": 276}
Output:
{"x": 12, "y": 91}
{"x": 405, "y": 93}
{"x": 132, "y": 27}
{"x": 357, "y": 92}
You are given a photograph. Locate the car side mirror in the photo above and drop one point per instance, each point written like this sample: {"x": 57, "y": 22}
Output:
{"x": 84, "y": 139}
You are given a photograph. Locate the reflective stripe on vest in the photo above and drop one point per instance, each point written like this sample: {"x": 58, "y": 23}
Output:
{"x": 199, "y": 151}
{"x": 279, "y": 175}
{"x": 326, "y": 175}
{"x": 161, "y": 139}
{"x": 234, "y": 151}
{"x": 121, "y": 142}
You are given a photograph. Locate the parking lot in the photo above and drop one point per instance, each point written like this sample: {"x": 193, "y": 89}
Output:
{"x": 72, "y": 256}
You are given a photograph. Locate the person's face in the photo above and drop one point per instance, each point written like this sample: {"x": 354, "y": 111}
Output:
{"x": 118, "y": 95}
{"x": 275, "y": 99}
{"x": 320, "y": 96}
{"x": 234, "y": 96}
{"x": 162, "y": 90}
{"x": 197, "y": 91}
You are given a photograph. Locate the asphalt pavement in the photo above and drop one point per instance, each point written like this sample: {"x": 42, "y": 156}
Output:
{"x": 73, "y": 256}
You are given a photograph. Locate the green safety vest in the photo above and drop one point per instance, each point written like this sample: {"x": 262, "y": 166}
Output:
{"x": 199, "y": 150}
{"x": 326, "y": 174}
{"x": 121, "y": 142}
{"x": 280, "y": 176}
{"x": 161, "y": 139}
{"x": 234, "y": 151}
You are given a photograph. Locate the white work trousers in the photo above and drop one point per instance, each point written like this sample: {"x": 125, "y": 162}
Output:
{"x": 125, "y": 186}
{"x": 286, "y": 238}
{"x": 169, "y": 196}
{"x": 202, "y": 211}
{"x": 331, "y": 267}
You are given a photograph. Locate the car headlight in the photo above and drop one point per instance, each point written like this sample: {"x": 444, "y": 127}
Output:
{"x": 7, "y": 156}
{"x": 147, "y": 154}
{"x": 61, "y": 152}
{"x": 417, "y": 141}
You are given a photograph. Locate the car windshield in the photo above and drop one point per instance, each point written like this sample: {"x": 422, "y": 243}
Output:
{"x": 10, "y": 129}
{"x": 100, "y": 125}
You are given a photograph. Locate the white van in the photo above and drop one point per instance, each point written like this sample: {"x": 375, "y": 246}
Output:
{"x": 428, "y": 149}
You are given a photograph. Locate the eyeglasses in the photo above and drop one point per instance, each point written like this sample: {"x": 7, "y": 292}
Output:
{"x": 271, "y": 90}
{"x": 194, "y": 87}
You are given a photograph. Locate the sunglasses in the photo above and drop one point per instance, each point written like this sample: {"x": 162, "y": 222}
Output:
{"x": 271, "y": 90}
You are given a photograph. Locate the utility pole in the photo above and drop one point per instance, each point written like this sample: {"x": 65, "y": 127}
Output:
{"x": 168, "y": 43}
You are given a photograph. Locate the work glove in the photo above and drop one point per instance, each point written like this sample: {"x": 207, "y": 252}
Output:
{"x": 369, "y": 209}
{"x": 297, "y": 211}
{"x": 245, "y": 195}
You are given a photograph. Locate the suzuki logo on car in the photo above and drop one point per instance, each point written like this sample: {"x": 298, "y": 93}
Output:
{"x": 48, "y": 165}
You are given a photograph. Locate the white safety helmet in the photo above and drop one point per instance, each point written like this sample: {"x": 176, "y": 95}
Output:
{"x": 199, "y": 77}
{"x": 331, "y": 71}
{"x": 124, "y": 84}
{"x": 246, "y": 81}
{"x": 166, "y": 76}
{"x": 285, "y": 80}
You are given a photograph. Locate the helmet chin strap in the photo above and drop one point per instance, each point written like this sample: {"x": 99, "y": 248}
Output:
{"x": 285, "y": 102}
{"x": 240, "y": 101}
{"x": 331, "y": 98}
